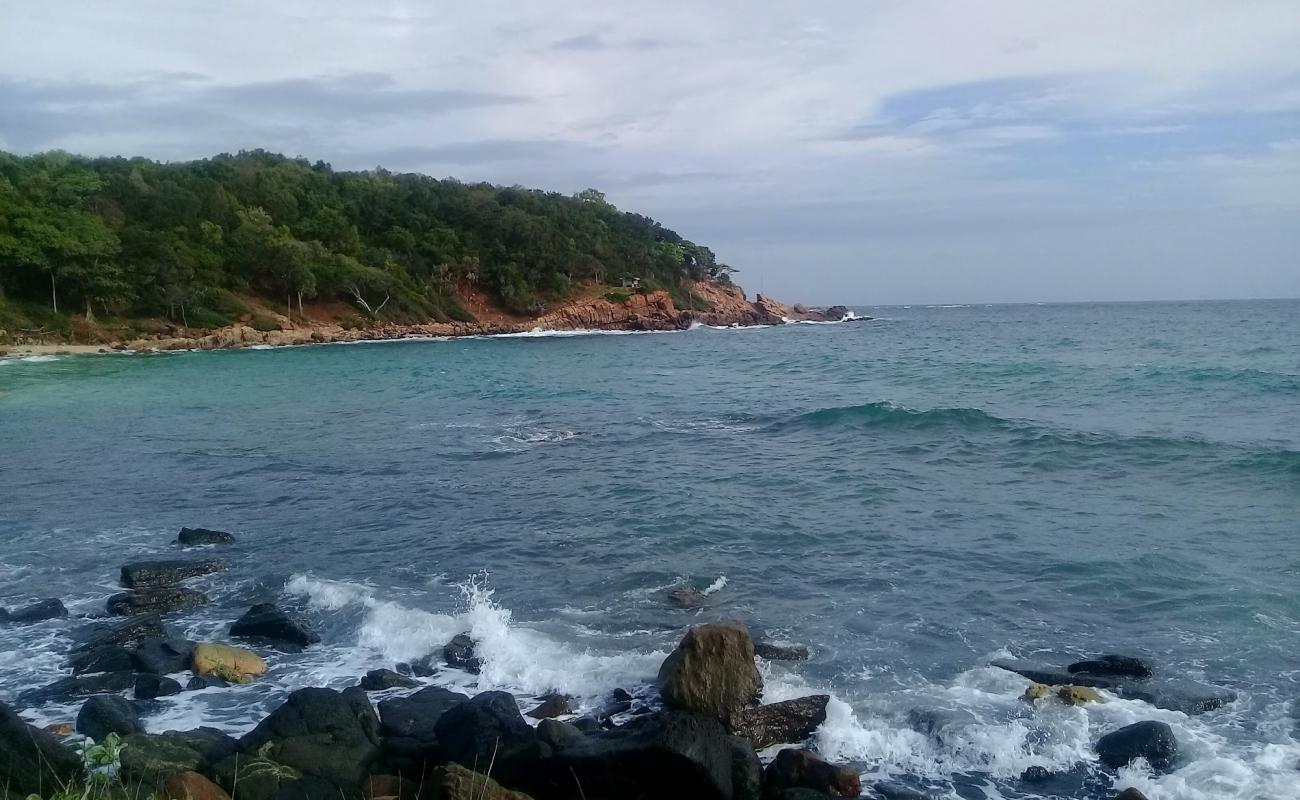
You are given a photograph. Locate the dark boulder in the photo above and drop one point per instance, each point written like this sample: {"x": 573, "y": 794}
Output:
{"x": 160, "y": 574}
{"x": 1151, "y": 740}
{"x": 1035, "y": 774}
{"x": 618, "y": 702}
{"x": 488, "y": 729}
{"x": 779, "y": 652}
{"x": 161, "y": 601}
{"x": 266, "y": 622}
{"x": 459, "y": 653}
{"x": 123, "y": 634}
{"x": 195, "y": 537}
{"x": 893, "y": 790}
{"x": 109, "y": 658}
{"x": 153, "y": 758}
{"x": 31, "y": 760}
{"x": 163, "y": 656}
{"x": 558, "y": 734}
{"x": 80, "y": 686}
{"x": 685, "y": 596}
{"x": 253, "y": 776}
{"x": 712, "y": 671}
{"x": 199, "y": 682}
{"x": 787, "y": 722}
{"x": 746, "y": 771}
{"x": 36, "y": 612}
{"x": 1131, "y": 794}
{"x": 803, "y": 769}
{"x": 377, "y": 680}
{"x": 1115, "y": 665}
{"x": 408, "y": 728}
{"x": 150, "y": 687}
{"x": 936, "y": 723}
{"x": 108, "y": 713}
{"x": 424, "y": 666}
{"x": 322, "y": 733}
{"x": 552, "y": 705}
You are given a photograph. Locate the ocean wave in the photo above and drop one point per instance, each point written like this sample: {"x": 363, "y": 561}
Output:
{"x": 889, "y": 415}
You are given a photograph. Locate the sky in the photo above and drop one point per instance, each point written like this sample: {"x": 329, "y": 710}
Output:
{"x": 850, "y": 151}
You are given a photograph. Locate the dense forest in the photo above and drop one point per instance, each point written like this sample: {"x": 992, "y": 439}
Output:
{"x": 133, "y": 238}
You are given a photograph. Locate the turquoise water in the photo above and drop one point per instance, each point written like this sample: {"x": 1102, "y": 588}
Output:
{"x": 910, "y": 497}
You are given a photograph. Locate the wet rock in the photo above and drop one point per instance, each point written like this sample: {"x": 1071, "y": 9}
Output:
{"x": 377, "y": 680}
{"x": 253, "y": 776}
{"x": 1151, "y": 740}
{"x": 587, "y": 724}
{"x": 618, "y": 702}
{"x": 199, "y": 682}
{"x": 455, "y": 782}
{"x": 103, "y": 714}
{"x": 150, "y": 687}
{"x": 558, "y": 734}
{"x": 1114, "y": 665}
{"x": 935, "y": 723}
{"x": 424, "y": 666}
{"x": 1036, "y": 691}
{"x": 124, "y": 634}
{"x": 780, "y": 652}
{"x": 163, "y": 656}
{"x": 1130, "y": 794}
{"x": 233, "y": 664}
{"x": 1078, "y": 695}
{"x": 459, "y": 653}
{"x": 161, "y": 601}
{"x": 488, "y": 728}
{"x": 1036, "y": 774}
{"x": 109, "y": 658}
{"x": 161, "y": 574}
{"x": 786, "y": 722}
{"x": 685, "y": 596}
{"x": 31, "y": 760}
{"x": 321, "y": 733}
{"x": 36, "y": 612}
{"x": 408, "y": 728}
{"x": 192, "y": 786}
{"x": 79, "y": 686}
{"x": 893, "y": 790}
{"x": 195, "y": 537}
{"x": 266, "y": 622}
{"x": 154, "y": 757}
{"x": 803, "y": 769}
{"x": 1174, "y": 694}
{"x": 746, "y": 770}
{"x": 552, "y": 705}
{"x": 712, "y": 671}
{"x": 59, "y": 729}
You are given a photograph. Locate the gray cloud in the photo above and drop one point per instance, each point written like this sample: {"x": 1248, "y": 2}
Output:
{"x": 585, "y": 41}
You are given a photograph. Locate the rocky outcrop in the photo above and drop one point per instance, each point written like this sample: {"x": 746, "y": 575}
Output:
{"x": 321, "y": 733}
{"x": 39, "y": 611}
{"x": 459, "y": 653}
{"x": 151, "y": 687}
{"x": 79, "y": 686}
{"x": 1175, "y": 694}
{"x": 408, "y": 728}
{"x": 233, "y": 664}
{"x": 780, "y": 652}
{"x": 108, "y": 713}
{"x": 124, "y": 634}
{"x": 787, "y": 722}
{"x": 686, "y": 596}
{"x": 197, "y": 537}
{"x": 158, "y": 574}
{"x": 1153, "y": 741}
{"x": 1113, "y": 665}
{"x": 109, "y": 658}
{"x": 31, "y": 760}
{"x": 163, "y": 656}
{"x": 153, "y": 758}
{"x": 488, "y": 728}
{"x": 377, "y": 680}
{"x": 267, "y": 623}
{"x": 1078, "y": 695}
{"x": 158, "y": 601}
{"x": 712, "y": 671}
{"x": 553, "y": 705}
{"x": 802, "y": 769}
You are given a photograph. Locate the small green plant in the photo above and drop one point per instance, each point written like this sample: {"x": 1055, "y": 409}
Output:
{"x": 263, "y": 323}
{"x": 100, "y": 782}
{"x": 618, "y": 297}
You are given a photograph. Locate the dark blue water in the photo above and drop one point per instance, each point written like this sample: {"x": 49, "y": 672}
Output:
{"x": 910, "y": 496}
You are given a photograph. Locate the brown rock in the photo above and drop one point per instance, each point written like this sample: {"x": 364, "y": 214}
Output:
{"x": 712, "y": 671}
{"x": 1037, "y": 691}
{"x": 786, "y": 722}
{"x": 802, "y": 769}
{"x": 192, "y": 786}
{"x": 687, "y": 596}
{"x": 392, "y": 787}
{"x": 233, "y": 664}
{"x": 59, "y": 729}
{"x": 554, "y": 705}
{"x": 455, "y": 782}
{"x": 1078, "y": 695}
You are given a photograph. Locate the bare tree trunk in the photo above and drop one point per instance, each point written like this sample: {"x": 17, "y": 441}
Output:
{"x": 54, "y": 292}
{"x": 184, "y": 320}
{"x": 361, "y": 301}
{"x": 300, "y": 305}
{"x": 90, "y": 314}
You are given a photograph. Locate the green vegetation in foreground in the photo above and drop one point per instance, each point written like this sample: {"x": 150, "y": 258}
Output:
{"x": 87, "y": 238}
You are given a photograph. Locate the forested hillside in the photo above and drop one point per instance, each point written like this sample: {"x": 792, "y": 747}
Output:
{"x": 133, "y": 238}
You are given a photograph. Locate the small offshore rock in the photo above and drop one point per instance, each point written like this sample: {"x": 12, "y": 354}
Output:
{"x": 1037, "y": 691}
{"x": 1151, "y": 740}
{"x": 108, "y": 713}
{"x": 142, "y": 601}
{"x": 686, "y": 596}
{"x": 39, "y": 611}
{"x": 1130, "y": 793}
{"x": 1035, "y": 774}
{"x": 552, "y": 705}
{"x": 80, "y": 686}
{"x": 195, "y": 537}
{"x": 1078, "y": 695}
{"x": 163, "y": 656}
{"x": 804, "y": 769}
{"x": 786, "y": 722}
{"x": 109, "y": 658}
{"x": 377, "y": 680}
{"x": 1125, "y": 666}
{"x": 779, "y": 652}
{"x": 424, "y": 666}
{"x": 893, "y": 790}
{"x": 159, "y": 574}
{"x": 125, "y": 634}
{"x": 199, "y": 682}
{"x": 192, "y": 786}
{"x": 459, "y": 653}
{"x": 935, "y": 722}
{"x": 233, "y": 664}
{"x": 150, "y": 687}
{"x": 712, "y": 671}
{"x": 266, "y": 621}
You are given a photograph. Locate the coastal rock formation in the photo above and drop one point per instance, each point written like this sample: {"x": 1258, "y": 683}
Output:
{"x": 488, "y": 728}
{"x": 454, "y": 782}
{"x": 36, "y": 612}
{"x": 108, "y": 713}
{"x": 32, "y": 760}
{"x": 712, "y": 671}
{"x": 195, "y": 537}
{"x": 151, "y": 687}
{"x": 143, "y": 601}
{"x": 408, "y": 728}
{"x": 1174, "y": 694}
{"x": 552, "y": 705}
{"x": 228, "y": 663}
{"x": 109, "y": 658}
{"x": 124, "y": 634}
{"x": 377, "y": 680}
{"x": 163, "y": 656}
{"x": 686, "y": 596}
{"x": 803, "y": 769}
{"x": 79, "y": 686}
{"x": 1126, "y": 666}
{"x": 192, "y": 786}
{"x": 158, "y": 574}
{"x": 1078, "y": 695}
{"x": 321, "y": 733}
{"x": 459, "y": 653}
{"x": 153, "y": 758}
{"x": 779, "y": 652}
{"x": 1151, "y": 740}
{"x": 786, "y": 722}
{"x": 266, "y": 622}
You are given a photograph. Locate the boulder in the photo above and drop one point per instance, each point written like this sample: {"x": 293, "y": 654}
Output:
{"x": 779, "y": 652}
{"x": 558, "y": 734}
{"x": 253, "y": 776}
{"x": 109, "y": 658}
{"x": 552, "y": 705}
{"x": 488, "y": 728}
{"x": 1114, "y": 665}
{"x": 321, "y": 733}
{"x": 1151, "y": 740}
{"x": 746, "y": 771}
{"x": 1174, "y": 694}
{"x": 161, "y": 601}
{"x": 1130, "y": 794}
{"x": 31, "y": 760}
{"x": 59, "y": 729}
{"x": 200, "y": 682}
{"x": 192, "y": 786}
{"x": 424, "y": 666}
{"x": 80, "y": 686}
{"x": 408, "y": 728}
{"x": 150, "y": 687}
{"x": 712, "y": 671}
{"x": 266, "y": 622}
{"x": 377, "y": 680}
{"x": 1078, "y": 695}
{"x": 893, "y": 790}
{"x": 1035, "y": 774}
{"x": 619, "y": 701}
{"x": 124, "y": 634}
{"x": 153, "y": 757}
{"x": 1036, "y": 691}
{"x": 935, "y": 723}
{"x": 195, "y": 537}
{"x": 454, "y": 782}
{"x": 459, "y": 653}
{"x": 163, "y": 656}
{"x": 802, "y": 769}
{"x": 36, "y": 612}
{"x": 787, "y": 722}
{"x": 160, "y": 574}
{"x": 103, "y": 714}
{"x": 686, "y": 596}
{"x": 233, "y": 664}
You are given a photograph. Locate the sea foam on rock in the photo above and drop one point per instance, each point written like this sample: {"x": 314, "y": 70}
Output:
{"x": 39, "y": 611}
{"x": 1174, "y": 694}
{"x": 712, "y": 671}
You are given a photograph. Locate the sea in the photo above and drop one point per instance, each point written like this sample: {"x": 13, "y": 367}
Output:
{"x": 911, "y": 497}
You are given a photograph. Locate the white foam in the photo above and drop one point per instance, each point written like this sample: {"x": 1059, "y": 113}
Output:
{"x": 716, "y": 586}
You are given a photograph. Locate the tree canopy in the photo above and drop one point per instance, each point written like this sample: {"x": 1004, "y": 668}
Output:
{"x": 135, "y": 237}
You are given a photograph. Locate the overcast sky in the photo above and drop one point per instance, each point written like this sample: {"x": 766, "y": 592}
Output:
{"x": 850, "y": 151}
